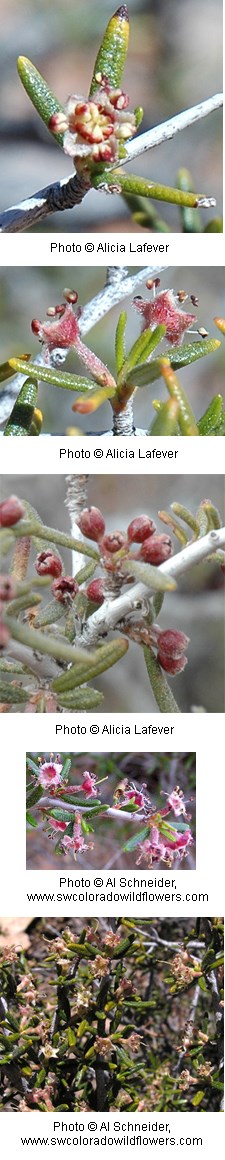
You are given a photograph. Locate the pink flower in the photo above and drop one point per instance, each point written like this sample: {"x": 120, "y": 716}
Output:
{"x": 62, "y": 330}
{"x": 135, "y": 796}
{"x": 88, "y": 784}
{"x": 182, "y": 840}
{"x": 176, "y": 802}
{"x": 76, "y": 842}
{"x": 56, "y": 825}
{"x": 49, "y": 774}
{"x": 164, "y": 310}
{"x": 157, "y": 847}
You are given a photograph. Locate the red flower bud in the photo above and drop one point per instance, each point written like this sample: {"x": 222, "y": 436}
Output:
{"x": 7, "y": 588}
{"x": 140, "y": 529}
{"x": 113, "y": 542}
{"x": 155, "y": 549}
{"x": 172, "y": 643}
{"x": 91, "y": 523}
{"x": 4, "y": 635}
{"x": 48, "y": 564}
{"x": 11, "y": 511}
{"x": 95, "y": 591}
{"x": 172, "y": 665}
{"x": 64, "y": 588}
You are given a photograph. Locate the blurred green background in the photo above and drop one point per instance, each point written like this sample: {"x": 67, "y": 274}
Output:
{"x": 26, "y": 293}
{"x": 174, "y": 61}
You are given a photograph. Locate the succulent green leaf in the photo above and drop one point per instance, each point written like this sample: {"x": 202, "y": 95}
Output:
{"x": 137, "y": 838}
{"x": 42, "y": 98}
{"x": 112, "y": 53}
{"x": 141, "y": 349}
{"x": 22, "y": 414}
{"x": 12, "y": 694}
{"x": 120, "y": 348}
{"x": 34, "y": 795}
{"x": 31, "y": 820}
{"x": 182, "y": 356}
{"x": 6, "y": 372}
{"x": 147, "y": 574}
{"x": 83, "y": 699}
{"x": 52, "y": 376}
{"x": 166, "y": 421}
{"x": 213, "y": 418}
{"x": 91, "y": 666}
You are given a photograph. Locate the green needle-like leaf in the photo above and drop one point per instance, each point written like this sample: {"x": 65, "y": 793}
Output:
{"x": 137, "y": 838}
{"x": 41, "y": 96}
{"x": 12, "y": 693}
{"x": 149, "y": 575}
{"x": 213, "y": 420}
{"x": 23, "y": 411}
{"x": 6, "y": 372}
{"x": 83, "y": 699}
{"x": 103, "y": 659}
{"x": 120, "y": 348}
{"x": 52, "y": 376}
{"x": 145, "y": 373}
{"x": 141, "y": 349}
{"x": 139, "y": 185}
{"x": 113, "y": 50}
{"x": 191, "y": 219}
{"x": 166, "y": 422}
{"x": 182, "y": 356}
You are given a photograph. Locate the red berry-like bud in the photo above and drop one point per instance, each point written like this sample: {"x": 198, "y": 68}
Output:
{"x": 95, "y": 591}
{"x": 64, "y": 589}
{"x": 91, "y": 523}
{"x": 11, "y": 511}
{"x": 7, "y": 588}
{"x": 140, "y": 529}
{"x": 4, "y": 635}
{"x": 172, "y": 643}
{"x": 113, "y": 542}
{"x": 171, "y": 664}
{"x": 48, "y": 564}
{"x": 156, "y": 549}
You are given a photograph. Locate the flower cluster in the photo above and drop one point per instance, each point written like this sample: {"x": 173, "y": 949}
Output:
{"x": 185, "y": 968}
{"x": 153, "y": 548}
{"x": 49, "y": 776}
{"x": 164, "y": 848}
{"x": 94, "y": 129}
{"x": 164, "y": 841}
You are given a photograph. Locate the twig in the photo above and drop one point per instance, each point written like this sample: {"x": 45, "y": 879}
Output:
{"x": 63, "y": 194}
{"x": 71, "y": 190}
{"x": 54, "y": 803}
{"x": 111, "y": 612}
{"x": 76, "y": 498}
{"x": 170, "y": 128}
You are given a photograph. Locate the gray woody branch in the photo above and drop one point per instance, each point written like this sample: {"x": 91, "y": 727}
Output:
{"x": 113, "y": 611}
{"x": 71, "y": 190}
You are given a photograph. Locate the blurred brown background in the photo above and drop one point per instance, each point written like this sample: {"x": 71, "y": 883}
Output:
{"x": 197, "y": 608}
{"x": 26, "y": 293}
{"x": 159, "y": 771}
{"x": 174, "y": 61}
